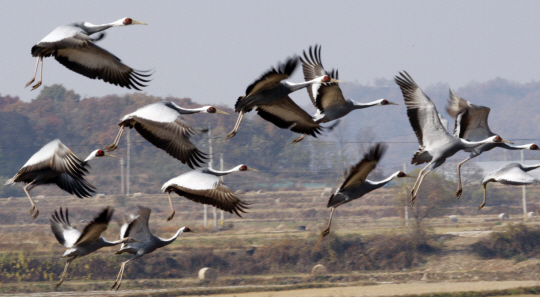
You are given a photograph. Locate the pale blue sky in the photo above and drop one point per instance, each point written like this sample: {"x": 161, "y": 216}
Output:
{"x": 211, "y": 50}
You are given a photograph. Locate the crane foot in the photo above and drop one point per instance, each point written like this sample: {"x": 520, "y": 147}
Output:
{"x": 481, "y": 206}
{"x": 231, "y": 134}
{"x": 325, "y": 232}
{"x": 36, "y": 86}
{"x": 34, "y": 212}
{"x": 458, "y": 193}
{"x": 297, "y": 140}
{"x": 111, "y": 147}
{"x": 30, "y": 82}
{"x": 171, "y": 216}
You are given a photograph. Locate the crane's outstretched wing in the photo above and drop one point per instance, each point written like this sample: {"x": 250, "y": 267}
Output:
{"x": 471, "y": 120}
{"x": 74, "y": 185}
{"x": 62, "y": 229}
{"x": 273, "y": 77}
{"x": 92, "y": 231}
{"x": 329, "y": 95}
{"x": 206, "y": 189}
{"x": 138, "y": 228}
{"x": 55, "y": 156}
{"x": 288, "y": 115}
{"x": 94, "y": 62}
{"x": 358, "y": 173}
{"x": 422, "y": 113}
{"x": 313, "y": 68}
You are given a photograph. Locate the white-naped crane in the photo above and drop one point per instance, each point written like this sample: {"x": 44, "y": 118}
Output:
{"x": 270, "y": 95}
{"x": 436, "y": 144}
{"x": 143, "y": 241}
{"x": 77, "y": 243}
{"x": 204, "y": 186}
{"x": 514, "y": 174}
{"x": 472, "y": 125}
{"x": 162, "y": 124}
{"x": 73, "y": 46}
{"x": 56, "y": 164}
{"x": 355, "y": 184}
{"x": 327, "y": 97}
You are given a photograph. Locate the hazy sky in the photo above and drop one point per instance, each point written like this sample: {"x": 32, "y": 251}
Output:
{"x": 212, "y": 50}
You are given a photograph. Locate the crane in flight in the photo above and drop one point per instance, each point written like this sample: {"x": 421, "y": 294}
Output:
{"x": 73, "y": 46}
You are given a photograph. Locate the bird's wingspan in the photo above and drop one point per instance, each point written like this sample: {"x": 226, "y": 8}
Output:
{"x": 313, "y": 68}
{"x": 422, "y": 113}
{"x": 172, "y": 137}
{"x": 358, "y": 173}
{"x": 273, "y": 77}
{"x": 62, "y": 229}
{"x": 74, "y": 185}
{"x": 471, "y": 120}
{"x": 92, "y": 231}
{"x": 329, "y": 94}
{"x": 516, "y": 177}
{"x": 94, "y": 62}
{"x": 138, "y": 228}
{"x": 219, "y": 196}
{"x": 286, "y": 114}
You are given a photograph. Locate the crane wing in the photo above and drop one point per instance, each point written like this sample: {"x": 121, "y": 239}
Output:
{"x": 422, "y": 113}
{"x": 471, "y": 120}
{"x": 54, "y": 156}
{"x": 66, "y": 234}
{"x": 206, "y": 188}
{"x": 515, "y": 176}
{"x": 172, "y": 137}
{"x": 329, "y": 94}
{"x": 273, "y": 77}
{"x": 313, "y": 68}
{"x": 138, "y": 228}
{"x": 92, "y": 231}
{"x": 358, "y": 173}
{"x": 95, "y": 62}
{"x": 74, "y": 185}
{"x": 286, "y": 114}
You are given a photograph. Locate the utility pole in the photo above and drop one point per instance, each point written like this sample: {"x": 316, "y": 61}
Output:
{"x": 221, "y": 178}
{"x": 406, "y": 206}
{"x": 209, "y": 166}
{"x": 122, "y": 182}
{"x": 524, "y": 193}
{"x": 128, "y": 161}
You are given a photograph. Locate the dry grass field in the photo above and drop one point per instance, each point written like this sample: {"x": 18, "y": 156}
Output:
{"x": 273, "y": 217}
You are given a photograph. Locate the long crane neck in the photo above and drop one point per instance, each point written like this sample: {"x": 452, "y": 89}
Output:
{"x": 221, "y": 173}
{"x": 515, "y": 147}
{"x": 528, "y": 168}
{"x": 113, "y": 243}
{"x": 379, "y": 184}
{"x": 473, "y": 144}
{"x": 91, "y": 28}
{"x": 191, "y": 110}
{"x": 358, "y": 105}
{"x": 297, "y": 86}
{"x": 165, "y": 242}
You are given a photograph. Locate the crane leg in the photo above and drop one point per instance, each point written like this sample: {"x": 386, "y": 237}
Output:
{"x": 238, "y": 121}
{"x": 35, "y": 72}
{"x": 114, "y": 145}
{"x": 297, "y": 140}
{"x": 171, "y": 216}
{"x": 459, "y": 187}
{"x": 64, "y": 274}
{"x": 34, "y": 211}
{"x": 118, "y": 281}
{"x": 484, "y": 201}
{"x": 327, "y": 230}
{"x": 418, "y": 182}
{"x": 40, "y": 75}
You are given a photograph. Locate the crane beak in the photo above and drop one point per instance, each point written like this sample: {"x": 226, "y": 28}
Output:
{"x": 109, "y": 155}
{"x": 336, "y": 81}
{"x": 221, "y": 111}
{"x": 392, "y": 103}
{"x": 251, "y": 169}
{"x": 506, "y": 141}
{"x": 134, "y": 22}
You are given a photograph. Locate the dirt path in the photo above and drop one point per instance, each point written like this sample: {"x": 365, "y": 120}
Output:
{"x": 391, "y": 289}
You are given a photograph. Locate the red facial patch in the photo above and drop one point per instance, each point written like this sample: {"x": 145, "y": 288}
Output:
{"x": 384, "y": 102}
{"x": 99, "y": 153}
{"x": 243, "y": 168}
{"x": 186, "y": 229}
{"x": 401, "y": 174}
{"x": 211, "y": 109}
{"x": 128, "y": 21}
{"x": 498, "y": 139}
{"x": 534, "y": 147}
{"x": 326, "y": 78}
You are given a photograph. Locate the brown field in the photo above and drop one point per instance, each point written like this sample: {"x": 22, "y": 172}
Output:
{"x": 273, "y": 217}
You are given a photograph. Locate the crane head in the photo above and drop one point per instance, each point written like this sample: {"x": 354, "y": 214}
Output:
{"x": 386, "y": 102}
{"x": 328, "y": 79}
{"x": 245, "y": 168}
{"x": 534, "y": 147}
{"x": 403, "y": 174}
{"x": 97, "y": 154}
{"x": 498, "y": 139}
{"x": 211, "y": 109}
{"x": 129, "y": 21}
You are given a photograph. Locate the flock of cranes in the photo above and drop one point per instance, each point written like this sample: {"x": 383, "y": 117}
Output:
{"x": 163, "y": 125}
